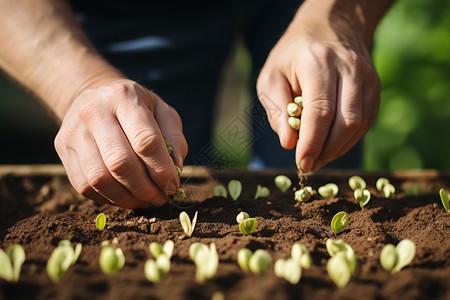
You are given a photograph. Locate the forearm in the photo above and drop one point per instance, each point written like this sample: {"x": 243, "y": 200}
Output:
{"x": 44, "y": 49}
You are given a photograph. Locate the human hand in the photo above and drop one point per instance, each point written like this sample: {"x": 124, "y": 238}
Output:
{"x": 111, "y": 143}
{"x": 326, "y": 60}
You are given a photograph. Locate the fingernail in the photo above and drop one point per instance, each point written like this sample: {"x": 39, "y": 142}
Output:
{"x": 306, "y": 164}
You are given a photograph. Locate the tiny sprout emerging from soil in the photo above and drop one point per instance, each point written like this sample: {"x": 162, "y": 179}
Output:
{"x": 156, "y": 270}
{"x": 381, "y": 183}
{"x": 329, "y": 190}
{"x": 262, "y": 191}
{"x": 242, "y": 216}
{"x": 11, "y": 262}
{"x": 220, "y": 191}
{"x": 389, "y": 191}
{"x": 362, "y": 196}
{"x": 444, "y": 198}
{"x": 234, "y": 189}
{"x": 294, "y": 110}
{"x": 304, "y": 194}
{"x": 283, "y": 182}
{"x": 393, "y": 259}
{"x": 356, "y": 182}
{"x": 61, "y": 259}
{"x": 248, "y": 225}
{"x": 288, "y": 269}
{"x": 156, "y": 249}
{"x": 206, "y": 260}
{"x": 343, "y": 262}
{"x": 301, "y": 255}
{"x": 243, "y": 259}
{"x": 112, "y": 259}
{"x": 100, "y": 221}
{"x": 259, "y": 262}
{"x": 295, "y": 123}
{"x": 339, "y": 221}
{"x": 185, "y": 221}
{"x": 179, "y": 195}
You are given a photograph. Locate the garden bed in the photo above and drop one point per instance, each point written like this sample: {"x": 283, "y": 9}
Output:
{"x": 38, "y": 208}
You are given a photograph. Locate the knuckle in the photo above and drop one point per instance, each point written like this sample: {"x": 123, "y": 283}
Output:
{"x": 145, "y": 142}
{"x": 88, "y": 111}
{"x": 96, "y": 178}
{"x": 323, "y": 109}
{"x": 117, "y": 160}
{"x": 352, "y": 121}
{"x": 323, "y": 52}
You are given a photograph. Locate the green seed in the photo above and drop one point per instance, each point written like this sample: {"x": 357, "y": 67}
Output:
{"x": 283, "y": 182}
{"x": 242, "y": 216}
{"x": 243, "y": 258}
{"x": 299, "y": 101}
{"x": 362, "y": 196}
{"x": 295, "y": 123}
{"x": 294, "y": 110}
{"x": 179, "y": 195}
{"x": 381, "y": 182}
{"x": 260, "y": 261}
{"x": 304, "y": 194}
{"x": 100, "y": 221}
{"x": 388, "y": 257}
{"x": 356, "y": 182}
{"x": 339, "y": 221}
{"x": 329, "y": 190}
{"x": 389, "y": 191}
{"x": 248, "y": 226}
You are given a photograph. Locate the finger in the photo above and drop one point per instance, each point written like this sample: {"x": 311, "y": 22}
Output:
{"x": 275, "y": 94}
{"x": 318, "y": 81}
{"x": 146, "y": 140}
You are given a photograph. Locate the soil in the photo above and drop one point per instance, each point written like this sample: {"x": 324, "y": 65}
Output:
{"x": 38, "y": 208}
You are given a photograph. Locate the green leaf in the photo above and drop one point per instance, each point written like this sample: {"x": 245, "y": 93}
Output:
{"x": 362, "y": 196}
{"x": 17, "y": 257}
{"x": 389, "y": 191}
{"x": 262, "y": 191}
{"x": 248, "y": 226}
{"x": 156, "y": 249}
{"x": 282, "y": 182}
{"x": 100, "y": 221}
{"x": 243, "y": 258}
{"x": 329, "y": 190}
{"x": 444, "y": 198}
{"x": 185, "y": 221}
{"x": 168, "y": 248}
{"x": 388, "y": 257}
{"x": 163, "y": 263}
{"x": 152, "y": 272}
{"x": 234, "y": 188}
{"x": 339, "y": 221}
{"x": 260, "y": 261}
{"x": 220, "y": 191}
{"x": 381, "y": 183}
{"x": 288, "y": 269}
{"x": 241, "y": 217}
{"x": 76, "y": 253}
{"x": 58, "y": 263}
{"x": 356, "y": 182}
{"x": 339, "y": 246}
{"x": 112, "y": 259}
{"x": 6, "y": 268}
{"x": 195, "y": 249}
{"x": 339, "y": 269}
{"x": 406, "y": 250}
{"x": 206, "y": 262}
{"x": 301, "y": 255}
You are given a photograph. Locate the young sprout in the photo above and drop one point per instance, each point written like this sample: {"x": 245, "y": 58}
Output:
{"x": 100, "y": 221}
{"x": 206, "y": 261}
{"x": 336, "y": 246}
{"x": 304, "y": 194}
{"x": 179, "y": 195}
{"x": 444, "y": 198}
{"x": 329, "y": 190}
{"x": 112, "y": 259}
{"x": 283, "y": 182}
{"x": 343, "y": 262}
{"x": 156, "y": 249}
{"x": 76, "y": 250}
{"x": 381, "y": 183}
{"x": 243, "y": 259}
{"x": 259, "y": 262}
{"x": 295, "y": 123}
{"x": 288, "y": 269}
{"x": 356, "y": 182}
{"x": 185, "y": 221}
{"x": 339, "y": 221}
{"x": 61, "y": 259}
{"x": 393, "y": 259}
{"x": 234, "y": 189}
{"x": 294, "y": 110}
{"x": 241, "y": 217}
{"x": 248, "y": 226}
{"x": 362, "y": 196}
{"x": 389, "y": 191}
{"x": 301, "y": 255}
{"x": 156, "y": 270}
{"x": 11, "y": 262}
{"x": 220, "y": 191}
{"x": 262, "y": 191}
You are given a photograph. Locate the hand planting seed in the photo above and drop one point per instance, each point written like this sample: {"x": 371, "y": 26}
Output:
{"x": 61, "y": 259}
{"x": 242, "y": 216}
{"x": 362, "y": 196}
{"x": 179, "y": 195}
{"x": 301, "y": 255}
{"x": 155, "y": 271}
{"x": 288, "y": 269}
{"x": 243, "y": 259}
{"x": 389, "y": 191}
{"x": 329, "y": 190}
{"x": 343, "y": 262}
{"x": 304, "y": 194}
{"x": 259, "y": 262}
{"x": 11, "y": 262}
{"x": 393, "y": 259}
{"x": 248, "y": 226}
{"x": 282, "y": 182}
{"x": 262, "y": 191}
{"x": 100, "y": 221}
{"x": 339, "y": 221}
{"x": 220, "y": 191}
{"x": 156, "y": 249}
{"x": 112, "y": 259}
{"x": 206, "y": 261}
{"x": 185, "y": 221}
{"x": 444, "y": 198}
{"x": 294, "y": 110}
{"x": 234, "y": 188}
{"x": 381, "y": 183}
{"x": 356, "y": 182}
{"x": 295, "y": 123}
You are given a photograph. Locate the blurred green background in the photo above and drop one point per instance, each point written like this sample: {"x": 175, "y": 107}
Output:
{"x": 411, "y": 54}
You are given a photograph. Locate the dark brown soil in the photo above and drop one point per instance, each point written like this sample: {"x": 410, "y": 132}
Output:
{"x": 39, "y": 209}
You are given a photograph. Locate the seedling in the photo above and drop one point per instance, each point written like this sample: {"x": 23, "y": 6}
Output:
{"x": 362, "y": 196}
{"x": 301, "y": 255}
{"x": 11, "y": 262}
{"x": 243, "y": 259}
{"x": 61, "y": 259}
{"x": 156, "y": 270}
{"x": 444, "y": 198}
{"x": 381, "y": 183}
{"x": 258, "y": 263}
{"x": 304, "y": 194}
{"x": 342, "y": 263}
{"x": 156, "y": 249}
{"x": 336, "y": 246}
{"x": 112, "y": 259}
{"x": 282, "y": 182}
{"x": 179, "y": 195}
{"x": 288, "y": 269}
{"x": 339, "y": 221}
{"x": 248, "y": 226}
{"x": 100, "y": 221}
{"x": 234, "y": 189}
{"x": 356, "y": 182}
{"x": 188, "y": 227}
{"x": 242, "y": 216}
{"x": 220, "y": 191}
{"x": 389, "y": 191}
{"x": 393, "y": 259}
{"x": 295, "y": 123}
{"x": 262, "y": 191}
{"x": 329, "y": 190}
{"x": 206, "y": 261}
{"x": 294, "y": 110}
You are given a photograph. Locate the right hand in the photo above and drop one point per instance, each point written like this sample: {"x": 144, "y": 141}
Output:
{"x": 111, "y": 143}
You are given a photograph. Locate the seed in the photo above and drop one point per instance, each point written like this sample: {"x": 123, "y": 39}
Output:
{"x": 294, "y": 123}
